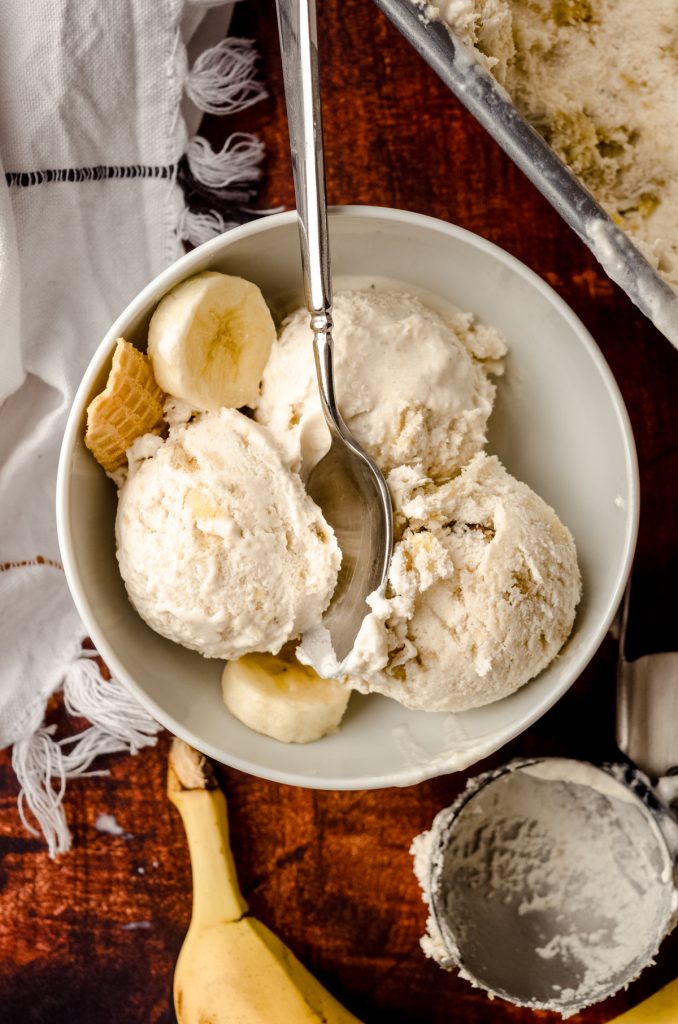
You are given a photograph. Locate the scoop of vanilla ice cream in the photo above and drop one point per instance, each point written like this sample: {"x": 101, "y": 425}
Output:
{"x": 411, "y": 385}
{"x": 482, "y": 590}
{"x": 219, "y": 546}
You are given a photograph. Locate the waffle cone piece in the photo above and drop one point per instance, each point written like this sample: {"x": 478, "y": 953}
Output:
{"x": 129, "y": 406}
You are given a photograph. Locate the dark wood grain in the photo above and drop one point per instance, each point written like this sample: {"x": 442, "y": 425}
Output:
{"x": 93, "y": 938}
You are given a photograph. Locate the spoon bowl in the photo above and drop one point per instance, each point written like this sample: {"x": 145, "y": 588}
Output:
{"x": 355, "y": 501}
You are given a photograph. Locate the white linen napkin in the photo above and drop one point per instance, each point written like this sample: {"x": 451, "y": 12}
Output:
{"x": 96, "y": 105}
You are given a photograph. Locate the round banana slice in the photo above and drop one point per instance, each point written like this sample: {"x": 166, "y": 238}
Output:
{"x": 209, "y": 340}
{"x": 283, "y": 699}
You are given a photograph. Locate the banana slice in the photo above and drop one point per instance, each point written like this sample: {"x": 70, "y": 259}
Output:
{"x": 282, "y": 698}
{"x": 209, "y": 340}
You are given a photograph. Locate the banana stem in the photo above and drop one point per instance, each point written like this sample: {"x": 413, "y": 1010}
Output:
{"x": 216, "y": 893}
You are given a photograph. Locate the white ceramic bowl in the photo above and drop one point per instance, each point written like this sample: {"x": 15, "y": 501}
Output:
{"x": 559, "y": 424}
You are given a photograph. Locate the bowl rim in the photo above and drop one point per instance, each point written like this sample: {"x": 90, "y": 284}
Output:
{"x": 181, "y": 268}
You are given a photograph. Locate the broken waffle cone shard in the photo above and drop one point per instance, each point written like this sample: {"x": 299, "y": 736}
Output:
{"x": 130, "y": 405}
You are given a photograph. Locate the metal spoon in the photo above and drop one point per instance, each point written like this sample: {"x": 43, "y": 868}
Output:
{"x": 346, "y": 483}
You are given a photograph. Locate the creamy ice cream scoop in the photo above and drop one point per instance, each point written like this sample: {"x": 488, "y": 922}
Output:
{"x": 219, "y": 546}
{"x": 411, "y": 384}
{"x": 482, "y": 592}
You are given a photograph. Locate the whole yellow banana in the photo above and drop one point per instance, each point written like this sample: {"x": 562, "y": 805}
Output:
{"x": 231, "y": 968}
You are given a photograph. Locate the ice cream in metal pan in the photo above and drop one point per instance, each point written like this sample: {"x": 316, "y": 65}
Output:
{"x": 460, "y": 67}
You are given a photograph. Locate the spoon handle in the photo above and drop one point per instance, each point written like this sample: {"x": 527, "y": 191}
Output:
{"x": 299, "y": 47}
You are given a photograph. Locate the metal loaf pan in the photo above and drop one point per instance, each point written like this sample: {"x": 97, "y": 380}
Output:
{"x": 491, "y": 105}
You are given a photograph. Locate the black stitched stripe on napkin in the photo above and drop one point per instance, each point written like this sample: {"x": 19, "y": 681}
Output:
{"x": 23, "y": 179}
{"x": 233, "y": 203}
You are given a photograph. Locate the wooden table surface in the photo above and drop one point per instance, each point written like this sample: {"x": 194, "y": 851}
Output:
{"x": 94, "y": 936}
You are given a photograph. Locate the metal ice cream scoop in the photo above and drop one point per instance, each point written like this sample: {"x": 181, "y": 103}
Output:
{"x": 550, "y": 882}
{"x": 346, "y": 483}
